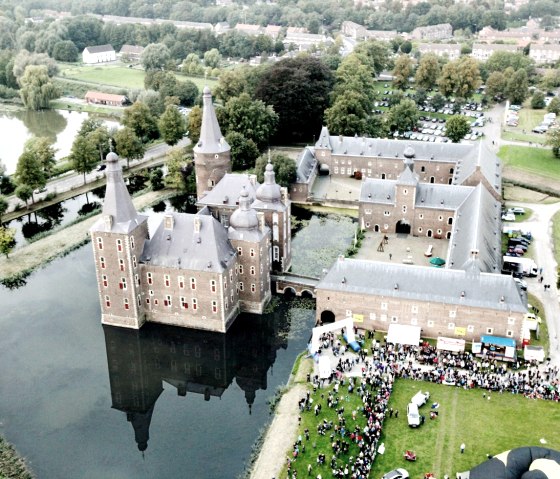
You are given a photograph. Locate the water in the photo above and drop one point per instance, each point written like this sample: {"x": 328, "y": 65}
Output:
{"x": 60, "y": 126}
{"x": 81, "y": 400}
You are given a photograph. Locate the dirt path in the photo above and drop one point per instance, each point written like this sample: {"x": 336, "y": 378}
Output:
{"x": 35, "y": 254}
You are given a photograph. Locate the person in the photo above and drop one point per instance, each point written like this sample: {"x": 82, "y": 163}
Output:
{"x": 390, "y": 256}
{"x": 462, "y": 448}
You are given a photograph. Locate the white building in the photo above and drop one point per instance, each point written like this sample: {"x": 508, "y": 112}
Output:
{"x": 99, "y": 54}
{"x": 483, "y": 51}
{"x": 545, "y": 53}
{"x": 450, "y": 50}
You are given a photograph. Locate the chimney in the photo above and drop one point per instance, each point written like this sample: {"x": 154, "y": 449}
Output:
{"x": 108, "y": 219}
{"x": 168, "y": 222}
{"x": 197, "y": 224}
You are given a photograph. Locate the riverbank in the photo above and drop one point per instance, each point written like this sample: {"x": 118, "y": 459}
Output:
{"x": 34, "y": 255}
{"x": 11, "y": 464}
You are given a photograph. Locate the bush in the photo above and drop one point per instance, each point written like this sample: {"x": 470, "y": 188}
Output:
{"x": 537, "y": 101}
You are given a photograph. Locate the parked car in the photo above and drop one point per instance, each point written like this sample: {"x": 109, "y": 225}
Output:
{"x": 420, "y": 398}
{"x": 413, "y": 416}
{"x": 517, "y": 210}
{"x": 396, "y": 474}
{"x": 522, "y": 284}
{"x": 508, "y": 217}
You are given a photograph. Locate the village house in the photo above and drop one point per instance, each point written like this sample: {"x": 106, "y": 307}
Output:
{"x": 100, "y": 98}
{"x": 442, "y": 31}
{"x": 359, "y": 32}
{"x": 131, "y": 53}
{"x": 452, "y": 51}
{"x": 98, "y": 54}
{"x": 544, "y": 54}
{"x": 483, "y": 51}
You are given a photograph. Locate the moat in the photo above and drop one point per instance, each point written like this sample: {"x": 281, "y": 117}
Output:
{"x": 81, "y": 400}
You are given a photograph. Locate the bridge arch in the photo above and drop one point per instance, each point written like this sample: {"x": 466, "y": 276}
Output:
{"x": 327, "y": 316}
{"x": 305, "y": 293}
{"x": 289, "y": 291}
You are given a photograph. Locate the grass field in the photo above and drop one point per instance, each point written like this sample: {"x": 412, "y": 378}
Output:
{"x": 538, "y": 161}
{"x": 485, "y": 426}
{"x": 528, "y": 119}
{"x": 119, "y": 76}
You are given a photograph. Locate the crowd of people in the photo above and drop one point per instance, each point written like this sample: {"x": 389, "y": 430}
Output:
{"x": 370, "y": 374}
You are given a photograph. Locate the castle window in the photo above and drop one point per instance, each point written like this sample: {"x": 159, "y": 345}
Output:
{"x": 414, "y": 308}
{"x": 421, "y": 216}
{"x": 372, "y": 316}
{"x": 252, "y": 270}
{"x": 367, "y": 212}
{"x": 394, "y": 319}
{"x": 239, "y": 250}
{"x": 102, "y": 262}
{"x": 450, "y": 220}
{"x": 184, "y": 303}
{"x": 194, "y": 304}
{"x": 226, "y": 304}
{"x": 432, "y": 179}
{"x": 451, "y": 171}
{"x": 383, "y": 306}
{"x": 122, "y": 284}
{"x": 107, "y": 301}
{"x": 139, "y": 300}
{"x": 241, "y": 287}
{"x": 193, "y": 283}
{"x": 225, "y": 284}
{"x": 147, "y": 300}
{"x": 450, "y": 325}
{"x": 336, "y": 170}
{"x": 181, "y": 281}
{"x": 100, "y": 242}
{"x": 422, "y": 169}
{"x": 214, "y": 306}
{"x": 119, "y": 245}
{"x": 240, "y": 269}
{"x": 105, "y": 282}
{"x": 253, "y": 288}
{"x": 132, "y": 242}
{"x": 231, "y": 274}
{"x": 439, "y": 231}
{"x": 121, "y": 264}
{"x": 419, "y": 230}
{"x": 509, "y": 333}
{"x": 511, "y": 320}
{"x": 452, "y": 314}
{"x": 404, "y": 209}
{"x": 166, "y": 280}
{"x": 448, "y": 235}
{"x": 430, "y": 324}
{"x": 137, "y": 279}
{"x": 213, "y": 286}
{"x": 149, "y": 278}
{"x": 252, "y": 252}
{"x": 405, "y": 192}
{"x": 489, "y": 330}
{"x": 387, "y": 213}
{"x": 151, "y": 292}
{"x": 414, "y": 321}
{"x": 134, "y": 263}
{"x": 126, "y": 305}
{"x": 156, "y": 302}
{"x": 440, "y": 218}
{"x": 276, "y": 253}
{"x": 167, "y": 301}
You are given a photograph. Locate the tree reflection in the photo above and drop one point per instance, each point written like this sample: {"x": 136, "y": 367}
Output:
{"x": 44, "y": 123}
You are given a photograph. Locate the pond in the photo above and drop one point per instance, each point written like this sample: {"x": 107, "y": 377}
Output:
{"x": 60, "y": 126}
{"x": 85, "y": 401}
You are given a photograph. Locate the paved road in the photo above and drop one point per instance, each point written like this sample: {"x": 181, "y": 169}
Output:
{"x": 540, "y": 225}
{"x": 72, "y": 180}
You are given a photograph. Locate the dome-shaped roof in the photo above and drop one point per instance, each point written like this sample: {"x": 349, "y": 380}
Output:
{"x": 409, "y": 152}
{"x": 206, "y": 90}
{"x": 111, "y": 157}
{"x": 244, "y": 217}
{"x": 269, "y": 191}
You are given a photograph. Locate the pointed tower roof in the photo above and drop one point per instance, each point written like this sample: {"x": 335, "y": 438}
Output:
{"x": 211, "y": 139}
{"x": 119, "y": 213}
{"x": 408, "y": 177}
{"x": 269, "y": 191}
{"x": 324, "y": 139}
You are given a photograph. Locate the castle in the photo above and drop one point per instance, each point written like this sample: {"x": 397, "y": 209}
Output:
{"x": 194, "y": 270}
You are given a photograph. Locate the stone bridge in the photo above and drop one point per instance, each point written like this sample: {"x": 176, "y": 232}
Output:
{"x": 296, "y": 284}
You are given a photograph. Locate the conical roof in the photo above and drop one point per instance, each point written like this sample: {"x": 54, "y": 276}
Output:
{"x": 244, "y": 217}
{"x": 269, "y": 191}
{"x": 211, "y": 139}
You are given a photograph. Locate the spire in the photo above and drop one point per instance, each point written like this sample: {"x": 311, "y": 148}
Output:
{"x": 324, "y": 139}
{"x": 269, "y": 191}
{"x": 211, "y": 139}
{"x": 117, "y": 204}
{"x": 244, "y": 217}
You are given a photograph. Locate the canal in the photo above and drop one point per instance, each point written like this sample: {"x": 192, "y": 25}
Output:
{"x": 85, "y": 401}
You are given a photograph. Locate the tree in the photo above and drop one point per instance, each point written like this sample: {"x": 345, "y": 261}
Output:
{"x": 500, "y": 60}
{"x": 84, "y": 155}
{"x": 460, "y": 78}
{"x": 212, "y": 58}
{"x": 350, "y": 114}
{"x": 252, "y": 118}
{"x": 553, "y": 140}
{"x": 537, "y": 100}
{"x": 192, "y": 65}
{"x": 172, "y": 125}
{"x": 7, "y": 240}
{"x": 376, "y": 52}
{"x": 402, "y": 72}
{"x": 420, "y": 97}
{"x": 403, "y": 117}
{"x": 194, "y": 122}
{"x": 65, "y": 51}
{"x": 25, "y": 59}
{"x": 3, "y": 206}
{"x": 298, "y": 90}
{"x": 139, "y": 118}
{"x": 244, "y": 151}
{"x": 41, "y": 148}
{"x": 284, "y": 168}
{"x": 457, "y": 127}
{"x": 517, "y": 89}
{"x": 554, "y": 106}
{"x": 447, "y": 79}
{"x": 24, "y": 192}
{"x": 427, "y": 72}
{"x": 128, "y": 145}
{"x": 29, "y": 171}
{"x": 438, "y": 101}
{"x": 231, "y": 83}
{"x": 550, "y": 79}
{"x": 155, "y": 56}
{"x": 179, "y": 169}
{"x": 37, "y": 90}
{"x": 496, "y": 84}
{"x": 406, "y": 47}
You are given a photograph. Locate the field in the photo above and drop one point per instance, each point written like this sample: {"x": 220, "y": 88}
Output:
{"x": 539, "y": 161}
{"x": 528, "y": 119}
{"x": 119, "y": 76}
{"x": 485, "y": 426}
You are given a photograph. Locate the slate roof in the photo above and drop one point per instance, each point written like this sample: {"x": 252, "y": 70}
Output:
{"x": 374, "y": 190}
{"x": 476, "y": 227}
{"x": 483, "y": 160}
{"x": 182, "y": 247}
{"x": 228, "y": 189}
{"x": 306, "y": 164}
{"x": 117, "y": 202}
{"x": 100, "y": 49}
{"x": 423, "y": 283}
{"x": 211, "y": 139}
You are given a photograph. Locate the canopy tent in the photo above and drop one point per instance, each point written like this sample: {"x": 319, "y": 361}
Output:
{"x": 437, "y": 261}
{"x": 403, "y": 334}
{"x": 498, "y": 341}
{"x": 451, "y": 344}
{"x": 347, "y": 323}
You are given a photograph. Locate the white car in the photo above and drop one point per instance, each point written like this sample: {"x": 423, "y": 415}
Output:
{"x": 413, "y": 416}
{"x": 508, "y": 217}
{"x": 420, "y": 398}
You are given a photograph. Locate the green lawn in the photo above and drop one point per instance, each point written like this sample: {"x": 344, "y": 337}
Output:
{"x": 119, "y": 76}
{"x": 513, "y": 134}
{"x": 538, "y": 161}
{"x": 485, "y": 426}
{"x": 528, "y": 119}
{"x": 543, "y": 339}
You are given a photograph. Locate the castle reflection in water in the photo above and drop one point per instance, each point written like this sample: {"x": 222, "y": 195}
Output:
{"x": 192, "y": 361}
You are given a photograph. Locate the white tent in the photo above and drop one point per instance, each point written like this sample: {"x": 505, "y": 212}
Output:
{"x": 347, "y": 323}
{"x": 403, "y": 334}
{"x": 451, "y": 344}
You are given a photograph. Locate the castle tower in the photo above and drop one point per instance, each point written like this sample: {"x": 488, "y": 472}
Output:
{"x": 211, "y": 153}
{"x": 274, "y": 202}
{"x": 118, "y": 240}
{"x": 405, "y": 193}
{"x": 251, "y": 238}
